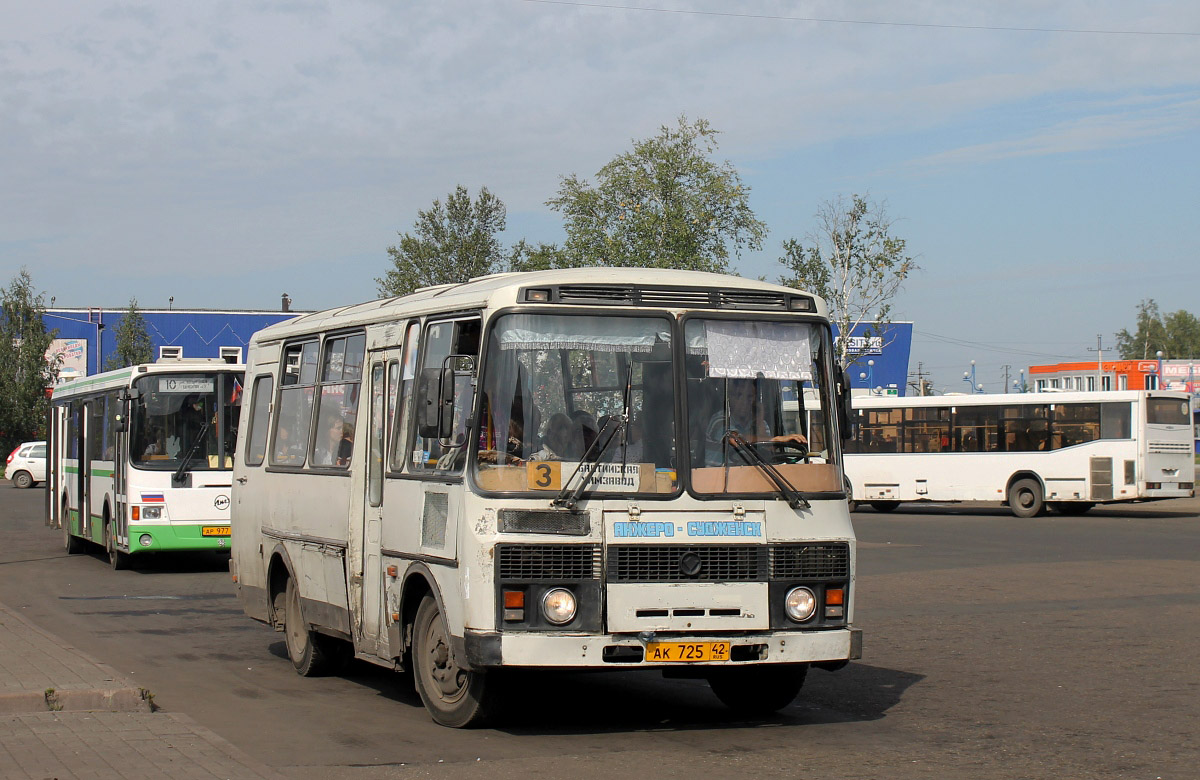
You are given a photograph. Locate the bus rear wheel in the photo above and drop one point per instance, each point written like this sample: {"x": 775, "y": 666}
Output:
{"x": 758, "y": 690}
{"x": 884, "y": 506}
{"x": 71, "y": 543}
{"x": 1025, "y": 498}
{"x": 454, "y": 696}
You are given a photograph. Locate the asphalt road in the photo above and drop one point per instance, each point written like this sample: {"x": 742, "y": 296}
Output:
{"x": 1053, "y": 647}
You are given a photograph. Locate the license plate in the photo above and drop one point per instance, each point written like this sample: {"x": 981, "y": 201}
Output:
{"x": 214, "y": 530}
{"x": 686, "y": 652}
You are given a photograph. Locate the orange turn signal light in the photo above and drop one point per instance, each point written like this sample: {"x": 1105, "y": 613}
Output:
{"x": 392, "y": 571}
{"x": 835, "y": 596}
{"x": 514, "y": 599}
{"x": 137, "y": 513}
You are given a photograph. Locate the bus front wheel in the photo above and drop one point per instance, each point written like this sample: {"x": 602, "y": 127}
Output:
{"x": 1025, "y": 498}
{"x": 454, "y": 696}
{"x": 311, "y": 654}
{"x": 71, "y": 543}
{"x": 884, "y": 506}
{"x": 758, "y": 690}
{"x": 116, "y": 559}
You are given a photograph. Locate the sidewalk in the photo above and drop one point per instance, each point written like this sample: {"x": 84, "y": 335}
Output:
{"x": 63, "y": 715}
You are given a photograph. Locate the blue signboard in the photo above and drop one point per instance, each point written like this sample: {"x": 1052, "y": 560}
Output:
{"x": 881, "y": 362}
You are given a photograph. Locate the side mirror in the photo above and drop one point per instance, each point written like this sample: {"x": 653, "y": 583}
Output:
{"x": 843, "y": 402}
{"x": 428, "y": 396}
{"x": 454, "y": 394}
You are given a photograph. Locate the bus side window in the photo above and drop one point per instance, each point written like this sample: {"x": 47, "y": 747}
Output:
{"x": 442, "y": 339}
{"x": 402, "y": 409}
{"x": 260, "y": 405}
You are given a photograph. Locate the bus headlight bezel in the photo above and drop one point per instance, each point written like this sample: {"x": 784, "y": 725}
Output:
{"x": 800, "y": 604}
{"x": 152, "y": 513}
{"x": 559, "y": 606}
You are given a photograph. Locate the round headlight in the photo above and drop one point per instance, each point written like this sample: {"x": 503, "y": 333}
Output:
{"x": 559, "y": 606}
{"x": 800, "y": 604}
{"x": 146, "y": 540}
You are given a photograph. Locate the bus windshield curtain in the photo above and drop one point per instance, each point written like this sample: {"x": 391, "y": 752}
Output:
{"x": 745, "y": 350}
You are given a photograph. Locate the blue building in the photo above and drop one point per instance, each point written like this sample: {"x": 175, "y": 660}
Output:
{"x": 882, "y": 364}
{"x": 86, "y": 338}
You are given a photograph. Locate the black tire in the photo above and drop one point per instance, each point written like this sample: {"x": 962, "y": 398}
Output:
{"x": 758, "y": 690}
{"x": 312, "y": 654}
{"x": 851, "y": 504}
{"x": 454, "y": 696}
{"x": 22, "y": 480}
{"x": 1072, "y": 507}
{"x": 71, "y": 543}
{"x": 1025, "y": 498}
{"x": 116, "y": 559}
{"x": 884, "y": 506}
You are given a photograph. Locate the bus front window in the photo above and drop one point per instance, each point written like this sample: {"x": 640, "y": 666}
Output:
{"x": 758, "y": 398}
{"x": 175, "y": 418}
{"x": 564, "y": 390}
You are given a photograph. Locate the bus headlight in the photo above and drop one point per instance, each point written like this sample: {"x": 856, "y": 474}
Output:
{"x": 559, "y": 606}
{"x": 800, "y": 604}
{"x": 152, "y": 513}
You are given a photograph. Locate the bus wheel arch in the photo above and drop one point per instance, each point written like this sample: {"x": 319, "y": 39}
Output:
{"x": 279, "y": 571}
{"x": 1025, "y": 494}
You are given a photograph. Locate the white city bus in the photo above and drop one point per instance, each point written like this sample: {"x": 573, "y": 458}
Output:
{"x": 531, "y": 470}
{"x": 141, "y": 458}
{"x": 1069, "y": 451}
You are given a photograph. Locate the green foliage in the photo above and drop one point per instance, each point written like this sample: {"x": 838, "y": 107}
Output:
{"x": 24, "y": 372}
{"x": 133, "y": 342}
{"x": 852, "y": 260}
{"x": 1177, "y": 335}
{"x": 452, "y": 243}
{"x": 665, "y": 204}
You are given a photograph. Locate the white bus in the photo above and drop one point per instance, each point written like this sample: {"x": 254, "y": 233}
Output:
{"x": 141, "y": 458}
{"x": 1069, "y": 451}
{"x": 531, "y": 470}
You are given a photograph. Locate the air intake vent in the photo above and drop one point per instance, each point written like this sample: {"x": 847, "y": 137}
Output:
{"x": 539, "y": 562}
{"x": 540, "y": 521}
{"x": 678, "y": 297}
{"x": 687, "y": 563}
{"x": 810, "y": 561}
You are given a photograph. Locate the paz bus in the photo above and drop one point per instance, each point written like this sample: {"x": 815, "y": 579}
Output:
{"x": 141, "y": 458}
{"x": 545, "y": 470}
{"x": 1067, "y": 451}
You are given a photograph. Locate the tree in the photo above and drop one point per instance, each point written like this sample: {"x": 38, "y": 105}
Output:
{"x": 852, "y": 260}
{"x": 133, "y": 342}
{"x": 24, "y": 372}
{"x": 665, "y": 204}
{"x": 1177, "y": 335}
{"x": 452, "y": 243}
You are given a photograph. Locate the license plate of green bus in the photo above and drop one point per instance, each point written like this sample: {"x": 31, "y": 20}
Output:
{"x": 686, "y": 652}
{"x": 214, "y": 530}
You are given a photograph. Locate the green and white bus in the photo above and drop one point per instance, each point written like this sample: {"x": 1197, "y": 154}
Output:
{"x": 141, "y": 458}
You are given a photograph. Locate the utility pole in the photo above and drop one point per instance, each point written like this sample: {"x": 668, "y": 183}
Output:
{"x": 919, "y": 385}
{"x": 1006, "y": 367}
{"x": 1099, "y": 350}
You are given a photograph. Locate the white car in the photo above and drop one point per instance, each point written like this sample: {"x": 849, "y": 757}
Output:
{"x": 27, "y": 464}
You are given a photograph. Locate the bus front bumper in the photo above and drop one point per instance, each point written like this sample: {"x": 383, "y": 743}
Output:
{"x": 178, "y": 538}
{"x": 484, "y": 650}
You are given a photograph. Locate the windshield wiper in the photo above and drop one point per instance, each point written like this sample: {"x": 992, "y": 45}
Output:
{"x": 177, "y": 477}
{"x": 751, "y": 456}
{"x": 568, "y": 496}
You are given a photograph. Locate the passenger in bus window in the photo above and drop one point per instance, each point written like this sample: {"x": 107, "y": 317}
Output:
{"x": 345, "y": 447}
{"x": 563, "y": 439}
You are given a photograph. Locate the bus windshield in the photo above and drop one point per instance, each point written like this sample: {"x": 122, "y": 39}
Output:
{"x": 560, "y": 390}
{"x": 185, "y": 417}
{"x": 758, "y": 401}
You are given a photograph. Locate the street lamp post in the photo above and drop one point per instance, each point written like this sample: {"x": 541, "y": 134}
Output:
{"x": 1158, "y": 378}
{"x": 869, "y": 378}
{"x": 969, "y": 378}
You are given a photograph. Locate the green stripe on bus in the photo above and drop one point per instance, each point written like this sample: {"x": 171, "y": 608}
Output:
{"x": 95, "y": 472}
{"x": 176, "y": 538}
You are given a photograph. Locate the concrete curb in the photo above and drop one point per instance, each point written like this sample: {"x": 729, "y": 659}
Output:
{"x": 86, "y": 700}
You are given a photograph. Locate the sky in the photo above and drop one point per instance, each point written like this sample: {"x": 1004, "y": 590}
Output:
{"x": 1040, "y": 159}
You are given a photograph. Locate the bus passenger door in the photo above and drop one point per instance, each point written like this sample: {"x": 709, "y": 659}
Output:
{"x": 366, "y": 588}
{"x": 83, "y": 431}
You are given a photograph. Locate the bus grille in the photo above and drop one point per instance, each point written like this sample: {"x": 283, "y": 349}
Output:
{"x": 687, "y": 563}
{"x": 810, "y": 561}
{"x": 1170, "y": 447}
{"x": 535, "y": 562}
